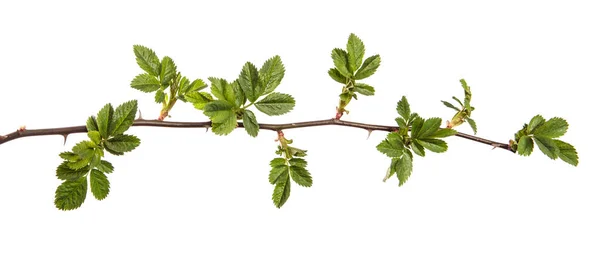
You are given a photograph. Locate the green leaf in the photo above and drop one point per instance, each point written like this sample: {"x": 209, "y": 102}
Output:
{"x": 416, "y": 127}
{"x": 567, "y": 152}
{"x": 276, "y": 104}
{"x": 197, "y": 85}
{"x": 184, "y": 85}
{"x": 403, "y": 108}
{"x": 99, "y": 184}
{"x": 298, "y": 162}
{"x": 147, "y": 60}
{"x": 199, "y": 99}
{"x": 222, "y": 90}
{"x": 160, "y": 97}
{"x": 403, "y": 167}
{"x": 167, "y": 70}
{"x": 104, "y": 119}
{"x": 281, "y": 192}
{"x": 105, "y": 167}
{"x": 525, "y": 146}
{"x": 340, "y": 60}
{"x": 392, "y": 146}
{"x": 271, "y": 73}
{"x": 434, "y": 145}
{"x": 222, "y": 116}
{"x": 85, "y": 152}
{"x": 145, "y": 82}
{"x": 69, "y": 156}
{"x": 240, "y": 98}
{"x": 472, "y": 124}
{"x": 458, "y": 100}
{"x": 417, "y": 148}
{"x": 443, "y": 132}
{"x": 368, "y": 68}
{"x": 356, "y": 52}
{"x": 553, "y": 128}
{"x": 364, "y": 89}
{"x": 448, "y": 104}
{"x": 297, "y": 152}
{"x": 70, "y": 194}
{"x": 547, "y": 146}
{"x": 122, "y": 143}
{"x": 250, "y": 123}
{"x": 279, "y": 171}
{"x": 250, "y": 82}
{"x": 301, "y": 176}
{"x": 123, "y": 117}
{"x": 534, "y": 123}
{"x": 337, "y": 76}
{"x": 91, "y": 124}
{"x": 94, "y": 136}
{"x": 430, "y": 126}
{"x": 64, "y": 172}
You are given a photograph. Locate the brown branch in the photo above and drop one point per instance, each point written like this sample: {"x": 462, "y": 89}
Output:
{"x": 65, "y": 131}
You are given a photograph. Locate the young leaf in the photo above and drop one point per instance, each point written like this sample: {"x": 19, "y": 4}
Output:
{"x": 417, "y": 148}
{"x": 94, "y": 136}
{"x": 122, "y": 143}
{"x": 279, "y": 171}
{"x": 281, "y": 192}
{"x": 392, "y": 146}
{"x": 250, "y": 123}
{"x": 298, "y": 162}
{"x": 430, "y": 126}
{"x": 145, "y": 82}
{"x": 434, "y": 145}
{"x": 64, "y": 172}
{"x": 553, "y": 128}
{"x": 472, "y": 124}
{"x": 337, "y": 76}
{"x": 458, "y": 100}
{"x": 240, "y": 98}
{"x": 547, "y": 146}
{"x": 276, "y": 104}
{"x": 160, "y": 97}
{"x": 340, "y": 60}
{"x": 70, "y": 194}
{"x": 99, "y": 184}
{"x": 301, "y": 176}
{"x": 448, "y": 104}
{"x": 222, "y": 90}
{"x": 91, "y": 124}
{"x": 443, "y": 132}
{"x": 199, "y": 99}
{"x": 69, "y": 156}
{"x": 567, "y": 152}
{"x": 167, "y": 70}
{"x": 271, "y": 73}
{"x": 356, "y": 52}
{"x": 368, "y": 68}
{"x": 123, "y": 117}
{"x": 104, "y": 119}
{"x": 525, "y": 146}
{"x": 416, "y": 127}
{"x": 534, "y": 123}
{"x": 250, "y": 82}
{"x": 147, "y": 60}
{"x": 105, "y": 167}
{"x": 364, "y": 89}
{"x": 403, "y": 108}
{"x": 222, "y": 116}
{"x": 403, "y": 168}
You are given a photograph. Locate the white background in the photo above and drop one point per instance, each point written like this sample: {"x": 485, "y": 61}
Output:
{"x": 187, "y": 193}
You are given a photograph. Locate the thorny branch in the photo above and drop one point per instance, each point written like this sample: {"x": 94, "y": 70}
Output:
{"x": 65, "y": 131}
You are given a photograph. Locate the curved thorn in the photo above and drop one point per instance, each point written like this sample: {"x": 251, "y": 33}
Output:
{"x": 65, "y": 136}
{"x": 369, "y": 135}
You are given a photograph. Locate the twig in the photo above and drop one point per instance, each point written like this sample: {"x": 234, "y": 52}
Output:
{"x": 64, "y": 131}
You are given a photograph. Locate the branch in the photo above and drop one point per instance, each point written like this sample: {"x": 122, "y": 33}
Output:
{"x": 65, "y": 131}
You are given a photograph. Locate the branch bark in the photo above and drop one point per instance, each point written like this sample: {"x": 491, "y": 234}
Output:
{"x": 65, "y": 131}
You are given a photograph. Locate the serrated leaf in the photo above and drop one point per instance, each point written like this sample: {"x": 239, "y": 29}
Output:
{"x": 297, "y": 152}
{"x": 392, "y": 146}
{"x": 340, "y": 60}
{"x": 281, "y": 193}
{"x": 159, "y": 96}
{"x": 147, "y": 60}
{"x": 430, "y": 126}
{"x": 197, "y": 85}
{"x": 122, "y": 143}
{"x": 167, "y": 70}
{"x": 271, "y": 73}
{"x": 472, "y": 124}
{"x": 105, "y": 167}
{"x": 448, "y": 104}
{"x": 123, "y": 117}
{"x": 94, "y": 136}
{"x": 356, "y": 52}
{"x": 91, "y": 124}
{"x": 403, "y": 108}
{"x": 199, "y": 99}
{"x": 104, "y": 119}
{"x": 278, "y": 174}
{"x": 417, "y": 148}
{"x": 534, "y": 123}
{"x": 250, "y": 82}
{"x": 337, "y": 76}
{"x": 403, "y": 168}
{"x": 250, "y": 123}
{"x": 567, "y": 152}
{"x": 443, "y": 132}
{"x": 525, "y": 146}
{"x": 364, "y": 89}
{"x": 547, "y": 146}
{"x": 277, "y": 162}
{"x": 434, "y": 145}
{"x": 401, "y": 124}
{"x": 64, "y": 172}
{"x": 553, "y": 128}
{"x": 276, "y": 104}
{"x": 240, "y": 98}
{"x": 368, "y": 68}
{"x": 298, "y": 162}
{"x": 99, "y": 184}
{"x": 301, "y": 176}
{"x": 222, "y": 90}
{"x": 184, "y": 85}
{"x": 415, "y": 129}
{"x": 69, "y": 156}
{"x": 70, "y": 194}
{"x": 222, "y": 116}
{"x": 85, "y": 151}
{"x": 145, "y": 82}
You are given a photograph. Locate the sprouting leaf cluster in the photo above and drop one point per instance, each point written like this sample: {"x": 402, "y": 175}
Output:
{"x": 290, "y": 165}
{"x": 230, "y": 101}
{"x": 162, "y": 78}
{"x": 349, "y": 67}
{"x": 464, "y": 112}
{"x": 85, "y": 160}
{"x": 544, "y": 134}
{"x": 400, "y": 145}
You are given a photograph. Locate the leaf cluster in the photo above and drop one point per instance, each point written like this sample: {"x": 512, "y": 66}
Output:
{"x": 289, "y": 165}
{"x": 85, "y": 160}
{"x": 400, "y": 145}
{"x": 544, "y": 134}
{"x": 464, "y": 112}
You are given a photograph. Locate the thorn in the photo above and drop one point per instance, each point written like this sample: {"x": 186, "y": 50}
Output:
{"x": 369, "y": 135}
{"x": 140, "y": 115}
{"x": 495, "y": 146}
{"x": 206, "y": 129}
{"x": 65, "y": 136}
